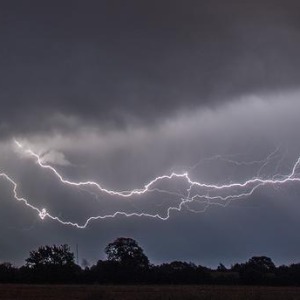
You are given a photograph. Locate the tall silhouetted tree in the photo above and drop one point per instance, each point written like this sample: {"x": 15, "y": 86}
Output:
{"x": 51, "y": 264}
{"x": 51, "y": 256}
{"x": 127, "y": 252}
{"x": 126, "y": 263}
{"x": 257, "y": 270}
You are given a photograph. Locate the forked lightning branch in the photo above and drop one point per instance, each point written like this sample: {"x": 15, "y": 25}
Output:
{"x": 196, "y": 192}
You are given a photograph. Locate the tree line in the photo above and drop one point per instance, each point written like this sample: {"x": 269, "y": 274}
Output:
{"x": 127, "y": 263}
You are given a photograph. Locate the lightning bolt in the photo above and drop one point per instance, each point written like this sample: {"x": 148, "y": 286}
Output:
{"x": 197, "y": 192}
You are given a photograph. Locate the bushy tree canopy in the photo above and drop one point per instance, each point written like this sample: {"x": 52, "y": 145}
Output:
{"x": 127, "y": 252}
{"x": 50, "y": 256}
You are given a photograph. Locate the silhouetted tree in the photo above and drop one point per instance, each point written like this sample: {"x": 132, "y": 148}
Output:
{"x": 257, "y": 270}
{"x": 262, "y": 263}
{"x": 126, "y": 263}
{"x": 127, "y": 252}
{"x": 51, "y": 264}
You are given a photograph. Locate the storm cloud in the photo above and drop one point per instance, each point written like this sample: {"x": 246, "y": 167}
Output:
{"x": 116, "y": 63}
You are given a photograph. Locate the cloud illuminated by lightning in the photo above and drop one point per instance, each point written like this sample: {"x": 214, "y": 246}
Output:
{"x": 197, "y": 192}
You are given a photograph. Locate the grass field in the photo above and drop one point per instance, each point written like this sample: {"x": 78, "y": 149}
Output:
{"x": 91, "y": 292}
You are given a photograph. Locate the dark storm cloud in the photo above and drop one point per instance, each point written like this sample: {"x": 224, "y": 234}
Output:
{"x": 122, "y": 62}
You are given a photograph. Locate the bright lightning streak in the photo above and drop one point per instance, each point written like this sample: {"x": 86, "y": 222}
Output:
{"x": 211, "y": 194}
{"x": 97, "y": 185}
{"x": 43, "y": 212}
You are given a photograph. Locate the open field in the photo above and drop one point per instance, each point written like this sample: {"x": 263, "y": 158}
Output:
{"x": 91, "y": 292}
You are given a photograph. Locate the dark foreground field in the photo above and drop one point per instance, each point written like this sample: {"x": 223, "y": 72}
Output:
{"x": 90, "y": 292}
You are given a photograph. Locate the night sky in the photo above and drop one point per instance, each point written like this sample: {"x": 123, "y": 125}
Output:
{"x": 120, "y": 92}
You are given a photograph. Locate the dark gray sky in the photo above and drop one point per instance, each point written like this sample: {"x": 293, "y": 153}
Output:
{"x": 123, "y": 91}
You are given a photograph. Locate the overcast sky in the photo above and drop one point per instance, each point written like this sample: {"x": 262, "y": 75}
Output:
{"x": 120, "y": 92}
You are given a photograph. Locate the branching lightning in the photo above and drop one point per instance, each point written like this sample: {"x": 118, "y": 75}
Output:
{"x": 197, "y": 192}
